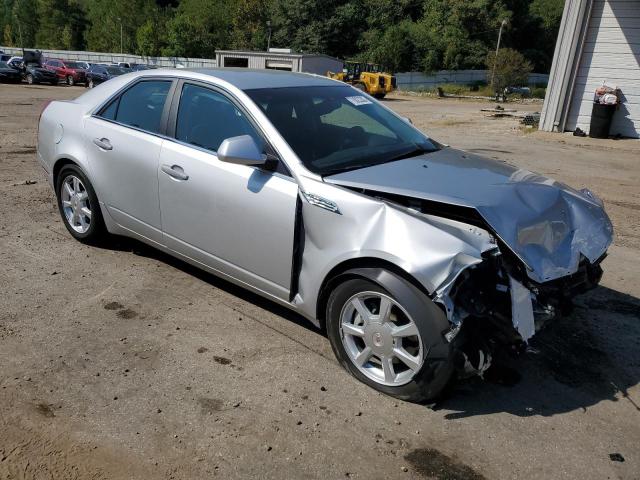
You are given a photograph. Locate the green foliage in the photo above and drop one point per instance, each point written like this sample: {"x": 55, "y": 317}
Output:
{"x": 401, "y": 35}
{"x": 198, "y": 28}
{"x": 510, "y": 68}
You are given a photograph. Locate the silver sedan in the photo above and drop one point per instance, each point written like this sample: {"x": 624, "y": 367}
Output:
{"x": 420, "y": 261}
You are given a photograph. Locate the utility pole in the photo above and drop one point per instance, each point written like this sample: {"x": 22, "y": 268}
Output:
{"x": 269, "y": 36}
{"x": 495, "y": 60}
{"x": 120, "y": 20}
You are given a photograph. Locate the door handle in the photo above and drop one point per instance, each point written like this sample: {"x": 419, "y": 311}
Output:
{"x": 103, "y": 143}
{"x": 175, "y": 171}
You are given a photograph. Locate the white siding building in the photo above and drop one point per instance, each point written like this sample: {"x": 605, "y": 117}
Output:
{"x": 279, "y": 59}
{"x": 599, "y": 41}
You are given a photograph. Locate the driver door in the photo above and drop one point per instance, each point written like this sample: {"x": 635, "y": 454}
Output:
{"x": 235, "y": 219}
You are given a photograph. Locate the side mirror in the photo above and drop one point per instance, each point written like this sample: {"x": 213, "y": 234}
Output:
{"x": 408, "y": 120}
{"x": 241, "y": 150}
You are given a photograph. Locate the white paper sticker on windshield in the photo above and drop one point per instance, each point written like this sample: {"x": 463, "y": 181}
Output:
{"x": 359, "y": 100}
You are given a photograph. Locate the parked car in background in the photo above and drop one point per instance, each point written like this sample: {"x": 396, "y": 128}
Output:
{"x": 137, "y": 67}
{"x": 15, "y": 62}
{"x": 67, "y": 71}
{"x": 9, "y": 74}
{"x": 33, "y": 71}
{"x": 5, "y": 57}
{"x": 101, "y": 73}
{"x": 418, "y": 259}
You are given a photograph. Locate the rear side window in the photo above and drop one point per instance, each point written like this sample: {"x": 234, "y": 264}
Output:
{"x": 206, "y": 118}
{"x": 141, "y": 106}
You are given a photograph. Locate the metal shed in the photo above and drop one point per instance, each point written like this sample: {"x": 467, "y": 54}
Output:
{"x": 599, "y": 41}
{"x": 279, "y": 59}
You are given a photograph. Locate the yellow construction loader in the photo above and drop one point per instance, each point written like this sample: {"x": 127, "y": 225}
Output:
{"x": 367, "y": 77}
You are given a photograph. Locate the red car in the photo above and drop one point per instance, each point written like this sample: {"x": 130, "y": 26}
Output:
{"x": 70, "y": 72}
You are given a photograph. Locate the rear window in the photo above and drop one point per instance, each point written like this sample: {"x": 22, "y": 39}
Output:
{"x": 141, "y": 106}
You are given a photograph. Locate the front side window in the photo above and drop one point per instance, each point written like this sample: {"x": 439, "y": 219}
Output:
{"x": 141, "y": 106}
{"x": 206, "y": 118}
{"x": 336, "y": 128}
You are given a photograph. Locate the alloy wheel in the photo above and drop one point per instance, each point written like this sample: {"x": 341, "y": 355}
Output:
{"x": 381, "y": 338}
{"x": 75, "y": 204}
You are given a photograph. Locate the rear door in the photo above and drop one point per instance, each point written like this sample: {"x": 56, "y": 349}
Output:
{"x": 123, "y": 141}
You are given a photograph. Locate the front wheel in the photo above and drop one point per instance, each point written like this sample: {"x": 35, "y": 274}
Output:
{"x": 78, "y": 205}
{"x": 70, "y": 81}
{"x": 91, "y": 84}
{"x": 388, "y": 340}
{"x": 30, "y": 79}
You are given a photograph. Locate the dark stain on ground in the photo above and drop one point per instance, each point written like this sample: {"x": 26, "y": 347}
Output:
{"x": 44, "y": 410}
{"x": 127, "y": 313}
{"x": 113, "y": 306}
{"x": 433, "y": 464}
{"x": 203, "y": 349}
{"x": 221, "y": 360}
{"x": 210, "y": 405}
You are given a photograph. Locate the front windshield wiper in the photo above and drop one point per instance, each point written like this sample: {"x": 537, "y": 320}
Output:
{"x": 413, "y": 152}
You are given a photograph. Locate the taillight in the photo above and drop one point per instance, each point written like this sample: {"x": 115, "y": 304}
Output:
{"x": 44, "y": 107}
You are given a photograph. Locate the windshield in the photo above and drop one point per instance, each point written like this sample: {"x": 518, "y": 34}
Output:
{"x": 74, "y": 65}
{"x": 116, "y": 70}
{"x": 4, "y": 65}
{"x": 336, "y": 128}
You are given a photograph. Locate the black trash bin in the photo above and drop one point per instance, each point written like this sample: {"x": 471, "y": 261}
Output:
{"x": 601, "y": 118}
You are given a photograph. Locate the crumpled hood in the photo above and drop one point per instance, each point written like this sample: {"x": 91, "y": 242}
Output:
{"x": 546, "y": 223}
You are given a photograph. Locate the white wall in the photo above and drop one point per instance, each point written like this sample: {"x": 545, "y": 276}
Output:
{"x": 611, "y": 53}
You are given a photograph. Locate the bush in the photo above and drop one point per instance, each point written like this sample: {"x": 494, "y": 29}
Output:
{"x": 538, "y": 92}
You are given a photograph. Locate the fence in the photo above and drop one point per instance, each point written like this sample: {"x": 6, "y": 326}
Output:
{"x": 98, "y": 57}
{"x": 421, "y": 81}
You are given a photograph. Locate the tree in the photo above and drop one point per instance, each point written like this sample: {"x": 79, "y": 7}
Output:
{"x": 24, "y": 22}
{"x": 151, "y": 35}
{"x": 248, "y": 25}
{"x": 198, "y": 28}
{"x": 511, "y": 69}
{"x": 106, "y": 19}
{"x": 332, "y": 27}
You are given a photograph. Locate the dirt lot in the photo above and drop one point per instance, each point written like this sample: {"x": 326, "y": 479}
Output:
{"x": 121, "y": 362}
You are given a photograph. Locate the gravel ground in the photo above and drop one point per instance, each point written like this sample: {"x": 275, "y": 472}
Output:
{"x": 121, "y": 362}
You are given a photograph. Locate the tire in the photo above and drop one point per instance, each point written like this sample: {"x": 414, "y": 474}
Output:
{"x": 70, "y": 81}
{"x": 379, "y": 96}
{"x": 30, "y": 79}
{"x": 86, "y": 228}
{"x": 360, "y": 87}
{"x": 91, "y": 84}
{"x": 429, "y": 376}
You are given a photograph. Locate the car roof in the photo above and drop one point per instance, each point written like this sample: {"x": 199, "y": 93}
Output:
{"x": 248, "y": 78}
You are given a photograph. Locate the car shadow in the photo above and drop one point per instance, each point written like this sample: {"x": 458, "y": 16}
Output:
{"x": 575, "y": 362}
{"x": 125, "y": 244}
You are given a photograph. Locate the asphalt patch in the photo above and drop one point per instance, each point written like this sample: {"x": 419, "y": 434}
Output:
{"x": 221, "y": 360}
{"x": 433, "y": 464}
{"x": 113, "y": 306}
{"x": 127, "y": 313}
{"x": 210, "y": 405}
{"x": 44, "y": 410}
{"x": 622, "y": 307}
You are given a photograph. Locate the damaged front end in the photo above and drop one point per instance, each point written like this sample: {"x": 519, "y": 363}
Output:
{"x": 548, "y": 241}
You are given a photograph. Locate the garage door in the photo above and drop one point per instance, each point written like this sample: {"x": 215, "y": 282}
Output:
{"x": 612, "y": 54}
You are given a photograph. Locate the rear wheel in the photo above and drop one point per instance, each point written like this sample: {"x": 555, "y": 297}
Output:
{"x": 91, "y": 84}
{"x": 78, "y": 205}
{"x": 30, "y": 79}
{"x": 386, "y": 342}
